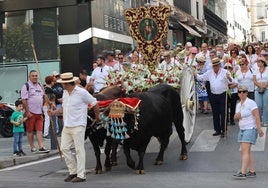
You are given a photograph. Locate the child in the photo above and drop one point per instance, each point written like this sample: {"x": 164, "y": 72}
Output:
{"x": 17, "y": 120}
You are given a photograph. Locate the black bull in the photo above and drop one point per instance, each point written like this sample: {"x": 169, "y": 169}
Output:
{"x": 160, "y": 107}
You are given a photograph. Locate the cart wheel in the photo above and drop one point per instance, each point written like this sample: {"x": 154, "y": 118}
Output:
{"x": 189, "y": 102}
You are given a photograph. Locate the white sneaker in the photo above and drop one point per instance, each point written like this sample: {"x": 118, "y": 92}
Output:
{"x": 33, "y": 150}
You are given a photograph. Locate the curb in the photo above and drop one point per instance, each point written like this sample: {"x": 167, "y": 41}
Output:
{"x": 13, "y": 161}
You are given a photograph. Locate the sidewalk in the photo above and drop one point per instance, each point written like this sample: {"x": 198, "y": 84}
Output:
{"x": 6, "y": 152}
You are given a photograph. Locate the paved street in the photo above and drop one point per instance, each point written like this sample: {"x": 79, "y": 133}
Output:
{"x": 211, "y": 163}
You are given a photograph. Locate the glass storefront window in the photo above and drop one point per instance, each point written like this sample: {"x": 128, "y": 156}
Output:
{"x": 24, "y": 29}
{"x": 100, "y": 46}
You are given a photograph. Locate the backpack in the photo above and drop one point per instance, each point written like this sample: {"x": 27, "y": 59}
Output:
{"x": 27, "y": 85}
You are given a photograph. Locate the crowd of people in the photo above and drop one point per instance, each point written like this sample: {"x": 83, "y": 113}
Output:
{"x": 223, "y": 73}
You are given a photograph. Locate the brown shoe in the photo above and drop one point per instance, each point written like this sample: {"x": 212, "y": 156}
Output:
{"x": 70, "y": 177}
{"x": 77, "y": 180}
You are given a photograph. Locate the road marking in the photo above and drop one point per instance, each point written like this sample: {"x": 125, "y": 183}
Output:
{"x": 205, "y": 142}
{"x": 30, "y": 163}
{"x": 260, "y": 143}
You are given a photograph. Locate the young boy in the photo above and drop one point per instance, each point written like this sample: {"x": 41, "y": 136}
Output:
{"x": 17, "y": 120}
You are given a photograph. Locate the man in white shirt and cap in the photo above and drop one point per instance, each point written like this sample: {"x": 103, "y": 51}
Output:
{"x": 218, "y": 79}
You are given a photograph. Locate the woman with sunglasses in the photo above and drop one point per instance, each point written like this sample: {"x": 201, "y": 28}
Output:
{"x": 233, "y": 58}
{"x": 247, "y": 114}
{"x": 245, "y": 77}
{"x": 260, "y": 77}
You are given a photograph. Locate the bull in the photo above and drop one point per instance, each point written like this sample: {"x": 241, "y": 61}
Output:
{"x": 160, "y": 107}
{"x": 97, "y": 133}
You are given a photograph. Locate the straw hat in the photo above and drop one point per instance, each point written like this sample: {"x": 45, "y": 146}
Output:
{"x": 188, "y": 44}
{"x": 228, "y": 65}
{"x": 67, "y": 78}
{"x": 166, "y": 53}
{"x": 201, "y": 58}
{"x": 242, "y": 88}
{"x": 55, "y": 73}
{"x": 215, "y": 61}
{"x": 262, "y": 59}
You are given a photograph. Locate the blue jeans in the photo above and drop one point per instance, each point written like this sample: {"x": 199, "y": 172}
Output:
{"x": 248, "y": 135}
{"x": 57, "y": 121}
{"x": 262, "y": 103}
{"x": 17, "y": 144}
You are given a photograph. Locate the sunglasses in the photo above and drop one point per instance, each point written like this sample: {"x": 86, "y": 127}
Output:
{"x": 242, "y": 91}
{"x": 228, "y": 67}
{"x": 241, "y": 64}
{"x": 120, "y": 58}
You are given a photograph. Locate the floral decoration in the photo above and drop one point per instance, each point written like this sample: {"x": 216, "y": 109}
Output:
{"x": 141, "y": 79}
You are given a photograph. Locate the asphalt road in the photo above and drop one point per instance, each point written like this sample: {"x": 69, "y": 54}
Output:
{"x": 212, "y": 162}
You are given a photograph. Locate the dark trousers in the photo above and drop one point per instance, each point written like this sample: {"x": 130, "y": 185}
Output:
{"x": 232, "y": 100}
{"x": 218, "y": 103}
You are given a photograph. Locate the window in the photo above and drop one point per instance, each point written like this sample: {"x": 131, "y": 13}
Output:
{"x": 263, "y": 36}
{"x": 24, "y": 28}
{"x": 197, "y": 10}
{"x": 261, "y": 11}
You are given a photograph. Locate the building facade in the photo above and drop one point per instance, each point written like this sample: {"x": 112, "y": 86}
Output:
{"x": 259, "y": 21}
{"x": 238, "y": 21}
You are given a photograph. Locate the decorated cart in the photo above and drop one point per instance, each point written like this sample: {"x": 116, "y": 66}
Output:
{"x": 148, "y": 25}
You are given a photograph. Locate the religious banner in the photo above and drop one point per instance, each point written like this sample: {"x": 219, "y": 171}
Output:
{"x": 148, "y": 26}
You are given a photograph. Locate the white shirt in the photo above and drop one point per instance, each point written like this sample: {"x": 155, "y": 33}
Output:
{"x": 75, "y": 107}
{"x": 218, "y": 82}
{"x": 88, "y": 79}
{"x": 248, "y": 120}
{"x": 246, "y": 79}
{"x": 100, "y": 75}
{"x": 207, "y": 65}
{"x": 252, "y": 59}
{"x": 261, "y": 77}
{"x": 118, "y": 67}
{"x": 167, "y": 66}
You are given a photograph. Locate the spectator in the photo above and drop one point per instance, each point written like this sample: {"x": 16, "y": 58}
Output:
{"x": 32, "y": 96}
{"x": 247, "y": 114}
{"x": 245, "y": 77}
{"x": 58, "y": 91}
{"x": 232, "y": 95}
{"x": 99, "y": 75}
{"x": 118, "y": 66}
{"x": 251, "y": 57}
{"x": 201, "y": 87}
{"x": 110, "y": 59}
{"x": 260, "y": 77}
{"x": 17, "y": 120}
{"x": 49, "y": 103}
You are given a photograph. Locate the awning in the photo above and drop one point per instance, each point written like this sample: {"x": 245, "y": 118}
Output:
{"x": 191, "y": 30}
{"x": 200, "y": 29}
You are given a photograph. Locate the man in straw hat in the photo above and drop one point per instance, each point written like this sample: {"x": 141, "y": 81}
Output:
{"x": 218, "y": 79}
{"x": 75, "y": 102}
